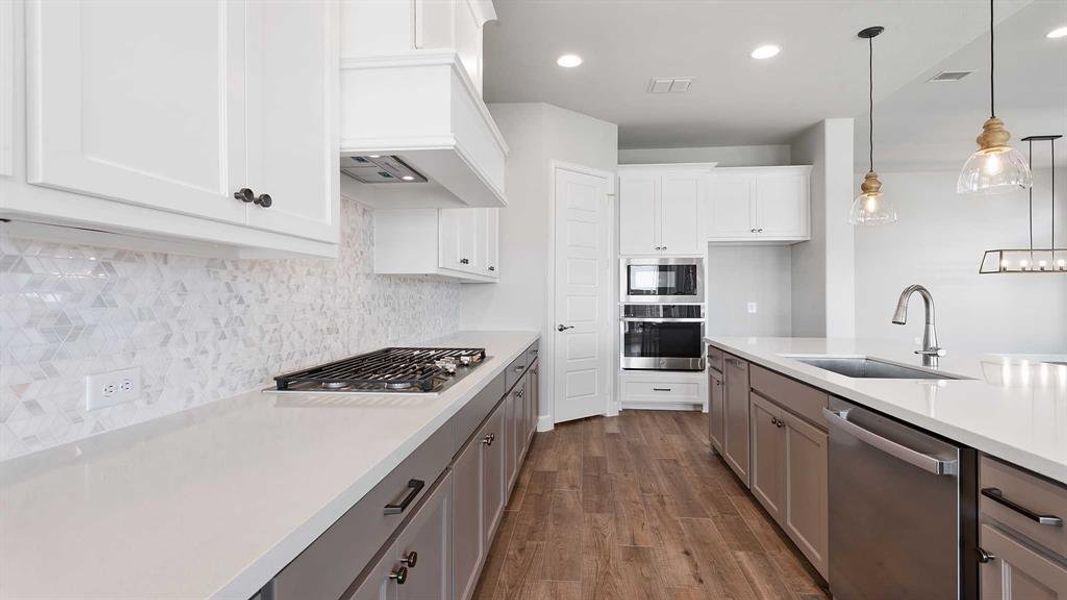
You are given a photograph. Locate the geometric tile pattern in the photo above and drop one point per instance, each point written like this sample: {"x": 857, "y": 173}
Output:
{"x": 201, "y": 329}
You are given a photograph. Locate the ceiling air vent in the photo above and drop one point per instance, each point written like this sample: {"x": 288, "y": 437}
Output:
{"x": 950, "y": 75}
{"x": 670, "y": 85}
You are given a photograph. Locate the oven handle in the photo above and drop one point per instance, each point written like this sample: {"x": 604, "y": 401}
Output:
{"x": 656, "y": 319}
{"x": 915, "y": 458}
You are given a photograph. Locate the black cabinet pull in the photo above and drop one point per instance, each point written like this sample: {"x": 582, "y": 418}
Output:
{"x": 414, "y": 487}
{"x": 264, "y": 200}
{"x": 661, "y": 389}
{"x": 492, "y": 268}
{"x": 464, "y": 261}
{"x": 245, "y": 195}
{"x": 410, "y": 559}
{"x": 399, "y": 576}
{"x": 997, "y": 496}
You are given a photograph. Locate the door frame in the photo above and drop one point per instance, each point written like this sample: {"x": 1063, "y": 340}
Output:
{"x": 545, "y": 422}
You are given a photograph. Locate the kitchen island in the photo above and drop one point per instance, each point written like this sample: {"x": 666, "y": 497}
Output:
{"x": 1010, "y": 407}
{"x": 214, "y": 501}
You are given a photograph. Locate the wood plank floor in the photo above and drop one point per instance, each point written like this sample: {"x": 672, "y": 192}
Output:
{"x": 636, "y": 507}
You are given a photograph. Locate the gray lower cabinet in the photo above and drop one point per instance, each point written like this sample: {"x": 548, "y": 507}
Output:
{"x": 515, "y": 417}
{"x": 418, "y": 565}
{"x": 736, "y": 428}
{"x": 767, "y": 464}
{"x": 532, "y": 399}
{"x": 1021, "y": 534}
{"x": 788, "y": 470}
{"x": 468, "y": 541}
{"x": 494, "y": 482}
{"x": 1017, "y": 571}
{"x": 716, "y": 410}
{"x": 479, "y": 501}
{"x": 805, "y": 517}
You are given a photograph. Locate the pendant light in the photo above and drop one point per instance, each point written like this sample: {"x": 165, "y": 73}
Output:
{"x": 1031, "y": 259}
{"x": 871, "y": 207}
{"x": 995, "y": 167}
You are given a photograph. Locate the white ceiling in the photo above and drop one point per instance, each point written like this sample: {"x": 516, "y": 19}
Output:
{"x": 932, "y": 126}
{"x": 735, "y": 100}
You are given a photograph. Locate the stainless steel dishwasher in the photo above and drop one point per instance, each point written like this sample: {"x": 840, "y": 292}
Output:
{"x": 902, "y": 510}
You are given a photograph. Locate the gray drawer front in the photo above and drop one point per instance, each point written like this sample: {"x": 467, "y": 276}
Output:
{"x": 1031, "y": 495}
{"x": 474, "y": 412}
{"x": 532, "y": 352}
{"x": 715, "y": 358}
{"x": 515, "y": 370}
{"x": 360, "y": 533}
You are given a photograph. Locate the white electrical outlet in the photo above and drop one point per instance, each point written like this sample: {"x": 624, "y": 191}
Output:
{"x": 752, "y": 308}
{"x": 111, "y": 388}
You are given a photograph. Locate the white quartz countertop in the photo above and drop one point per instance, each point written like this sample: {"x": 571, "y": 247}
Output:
{"x": 1014, "y": 407}
{"x": 213, "y": 502}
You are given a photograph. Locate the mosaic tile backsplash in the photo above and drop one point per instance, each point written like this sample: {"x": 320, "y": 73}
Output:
{"x": 200, "y": 329}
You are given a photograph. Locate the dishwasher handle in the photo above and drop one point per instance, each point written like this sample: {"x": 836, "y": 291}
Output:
{"x": 915, "y": 458}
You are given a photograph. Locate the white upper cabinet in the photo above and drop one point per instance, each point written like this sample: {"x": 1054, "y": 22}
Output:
{"x": 147, "y": 118}
{"x": 660, "y": 207}
{"x": 457, "y": 243}
{"x": 638, "y": 213}
{"x": 763, "y": 204}
{"x": 291, "y": 141}
{"x": 131, "y": 101}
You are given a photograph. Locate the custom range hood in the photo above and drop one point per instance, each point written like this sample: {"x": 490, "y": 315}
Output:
{"x": 415, "y": 133}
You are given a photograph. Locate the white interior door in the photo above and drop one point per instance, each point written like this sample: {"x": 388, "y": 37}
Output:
{"x": 582, "y": 294}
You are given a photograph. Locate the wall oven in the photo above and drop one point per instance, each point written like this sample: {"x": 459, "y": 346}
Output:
{"x": 663, "y": 337}
{"x": 661, "y": 280}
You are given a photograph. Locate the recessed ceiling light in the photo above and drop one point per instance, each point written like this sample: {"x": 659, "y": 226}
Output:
{"x": 569, "y": 61}
{"x": 767, "y": 51}
{"x": 1057, "y": 33}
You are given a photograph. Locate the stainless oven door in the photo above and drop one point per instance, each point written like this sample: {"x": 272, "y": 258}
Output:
{"x": 661, "y": 280}
{"x": 662, "y": 344}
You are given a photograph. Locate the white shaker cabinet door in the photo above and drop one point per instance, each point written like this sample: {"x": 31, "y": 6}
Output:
{"x": 292, "y": 66}
{"x": 638, "y": 214}
{"x": 679, "y": 208}
{"x": 121, "y": 104}
{"x": 731, "y": 206}
{"x": 782, "y": 204}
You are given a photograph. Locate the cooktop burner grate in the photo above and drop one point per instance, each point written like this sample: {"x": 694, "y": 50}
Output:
{"x": 387, "y": 370}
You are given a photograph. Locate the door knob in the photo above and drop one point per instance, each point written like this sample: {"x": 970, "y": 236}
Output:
{"x": 562, "y": 327}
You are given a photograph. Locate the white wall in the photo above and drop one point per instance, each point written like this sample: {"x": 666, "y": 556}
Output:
{"x": 725, "y": 156}
{"x": 738, "y": 275}
{"x": 823, "y": 295}
{"x": 537, "y": 134}
{"x": 938, "y": 242}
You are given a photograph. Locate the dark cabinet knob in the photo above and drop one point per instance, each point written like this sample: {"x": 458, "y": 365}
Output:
{"x": 488, "y": 439}
{"x": 492, "y": 268}
{"x": 245, "y": 195}
{"x": 464, "y": 261}
{"x": 410, "y": 559}
{"x": 984, "y": 556}
{"x": 264, "y": 200}
{"x": 399, "y": 576}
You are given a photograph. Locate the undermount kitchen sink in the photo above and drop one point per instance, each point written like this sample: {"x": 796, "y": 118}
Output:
{"x": 864, "y": 367}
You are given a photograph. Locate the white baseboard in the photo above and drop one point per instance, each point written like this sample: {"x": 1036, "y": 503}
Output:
{"x": 544, "y": 423}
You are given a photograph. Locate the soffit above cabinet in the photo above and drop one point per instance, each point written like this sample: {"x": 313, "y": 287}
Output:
{"x": 422, "y": 108}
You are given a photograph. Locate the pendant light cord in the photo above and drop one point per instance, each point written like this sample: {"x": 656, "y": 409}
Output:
{"x": 1030, "y": 163}
{"x": 870, "y": 99}
{"x": 992, "y": 64}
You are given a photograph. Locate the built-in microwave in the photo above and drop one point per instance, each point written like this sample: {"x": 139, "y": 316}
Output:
{"x": 661, "y": 281}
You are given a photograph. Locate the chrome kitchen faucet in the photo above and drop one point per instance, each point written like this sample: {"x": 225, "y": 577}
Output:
{"x": 931, "y": 351}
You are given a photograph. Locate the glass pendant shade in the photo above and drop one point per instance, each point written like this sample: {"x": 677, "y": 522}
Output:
{"x": 872, "y": 207}
{"x": 995, "y": 167}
